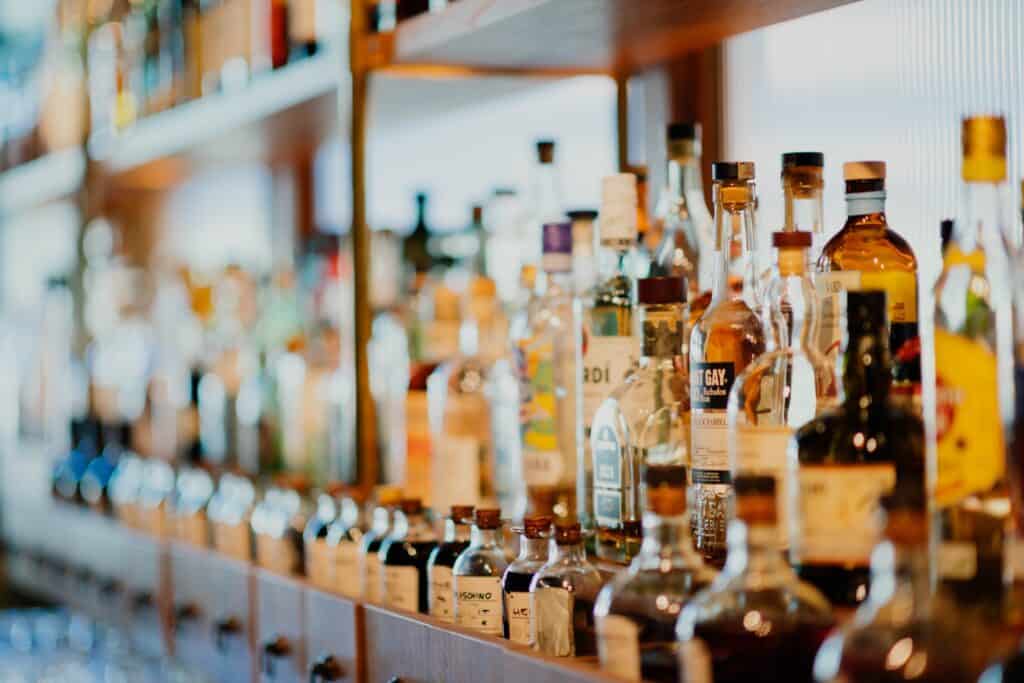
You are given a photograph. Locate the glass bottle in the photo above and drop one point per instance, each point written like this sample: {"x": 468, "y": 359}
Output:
{"x": 562, "y": 596}
{"x": 968, "y": 395}
{"x": 515, "y": 582}
{"x": 388, "y": 498}
{"x": 636, "y": 613}
{"x": 606, "y": 346}
{"x": 848, "y": 458}
{"x": 723, "y": 342}
{"x": 547, "y": 359}
{"x": 688, "y": 231}
{"x": 785, "y": 387}
{"x": 344, "y": 536}
{"x": 545, "y": 201}
{"x": 476, "y": 577}
{"x": 758, "y": 620}
{"x": 442, "y": 560}
{"x": 643, "y": 421}
{"x": 320, "y": 558}
{"x": 584, "y": 266}
{"x": 414, "y": 247}
{"x": 404, "y": 556}
{"x": 867, "y": 254}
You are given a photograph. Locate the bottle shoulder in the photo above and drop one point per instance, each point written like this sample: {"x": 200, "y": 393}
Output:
{"x": 732, "y": 597}
{"x": 867, "y": 245}
{"x": 480, "y": 561}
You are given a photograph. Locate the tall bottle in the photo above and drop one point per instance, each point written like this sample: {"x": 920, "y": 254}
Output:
{"x": 515, "y": 582}
{"x": 968, "y": 392}
{"x": 545, "y": 201}
{"x": 606, "y": 346}
{"x": 477, "y": 577}
{"x": 636, "y": 613}
{"x": 404, "y": 556}
{"x": 442, "y": 559}
{"x": 547, "y": 400}
{"x": 724, "y": 341}
{"x": 387, "y": 500}
{"x": 848, "y": 458}
{"x": 643, "y": 421}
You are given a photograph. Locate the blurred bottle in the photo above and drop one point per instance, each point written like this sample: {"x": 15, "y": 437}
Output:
{"x": 545, "y": 202}
{"x": 113, "y": 102}
{"x": 644, "y": 232}
{"x": 64, "y": 108}
{"x": 584, "y": 261}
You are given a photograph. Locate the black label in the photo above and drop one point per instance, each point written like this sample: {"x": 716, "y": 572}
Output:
{"x": 607, "y": 507}
{"x": 710, "y": 384}
{"x": 607, "y": 470}
{"x": 710, "y": 476}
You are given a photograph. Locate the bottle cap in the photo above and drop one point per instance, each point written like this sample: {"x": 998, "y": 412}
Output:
{"x": 412, "y": 506}
{"x": 865, "y": 310}
{"x": 946, "y": 232}
{"x": 546, "y": 151}
{"x": 568, "y": 533}
{"x": 732, "y": 170}
{"x": 660, "y": 290}
{"x": 682, "y": 130}
{"x": 984, "y": 149}
{"x": 462, "y": 513}
{"x": 618, "y": 208}
{"x": 791, "y": 239}
{"x": 905, "y": 520}
{"x": 388, "y": 495}
{"x": 488, "y": 518}
{"x": 536, "y": 526}
{"x": 665, "y": 475}
{"x": 864, "y": 170}
{"x": 815, "y": 159}
{"x": 478, "y": 213}
{"x": 582, "y": 215}
{"x": 556, "y": 241}
{"x": 755, "y": 498}
{"x": 666, "y": 489}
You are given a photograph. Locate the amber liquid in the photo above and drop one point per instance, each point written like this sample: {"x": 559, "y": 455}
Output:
{"x": 620, "y": 544}
{"x": 412, "y": 554}
{"x": 783, "y": 655}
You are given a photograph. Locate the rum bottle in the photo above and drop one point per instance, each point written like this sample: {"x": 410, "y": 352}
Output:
{"x": 476, "y": 582}
{"x": 442, "y": 559}
{"x": 515, "y": 583}
{"x": 404, "y": 556}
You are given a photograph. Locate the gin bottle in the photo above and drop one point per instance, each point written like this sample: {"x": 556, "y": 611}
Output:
{"x": 643, "y": 420}
{"x": 442, "y": 559}
{"x": 477, "y": 573}
{"x": 515, "y": 583}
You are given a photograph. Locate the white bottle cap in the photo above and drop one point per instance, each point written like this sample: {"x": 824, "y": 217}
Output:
{"x": 618, "y": 208}
{"x": 864, "y": 170}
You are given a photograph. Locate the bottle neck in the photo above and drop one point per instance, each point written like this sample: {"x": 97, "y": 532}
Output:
{"x": 381, "y": 520}
{"x": 866, "y": 371}
{"x": 734, "y": 243}
{"x": 533, "y": 548}
{"x": 865, "y": 203}
{"x": 481, "y": 538}
{"x": 792, "y": 302}
{"x": 662, "y": 326}
{"x": 754, "y": 548}
{"x": 803, "y": 210}
{"x": 667, "y": 537}
{"x": 983, "y": 221}
{"x": 570, "y": 554}
{"x": 559, "y": 282}
{"x": 684, "y": 178}
{"x": 547, "y": 192}
{"x": 900, "y": 579}
{"x": 455, "y": 532}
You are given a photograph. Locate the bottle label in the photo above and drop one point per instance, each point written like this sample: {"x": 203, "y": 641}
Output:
{"x": 478, "y": 603}
{"x": 542, "y": 462}
{"x": 402, "y": 587}
{"x": 763, "y": 449}
{"x": 552, "y": 613}
{"x": 320, "y": 563}
{"x": 694, "y": 661}
{"x": 606, "y": 362}
{"x": 969, "y": 435}
{"x": 900, "y": 288}
{"x": 607, "y": 477}
{"x": 709, "y": 393}
{"x": 371, "y": 577}
{"x": 618, "y": 646}
{"x": 517, "y": 607}
{"x": 233, "y": 540}
{"x": 957, "y": 561}
{"x": 838, "y": 508}
{"x": 441, "y": 593}
{"x": 346, "y": 572}
{"x": 710, "y": 384}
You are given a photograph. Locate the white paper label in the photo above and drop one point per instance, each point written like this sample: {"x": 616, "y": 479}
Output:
{"x": 607, "y": 362}
{"x": 762, "y": 449}
{"x": 371, "y": 577}
{"x": 441, "y": 593}
{"x": 710, "y": 455}
{"x": 618, "y": 645}
{"x": 320, "y": 563}
{"x": 402, "y": 587}
{"x": 278, "y": 554}
{"x": 542, "y": 468}
{"x": 233, "y": 540}
{"x": 552, "y": 621}
{"x": 456, "y": 468}
{"x": 838, "y": 509}
{"x": 346, "y": 569}
{"x": 517, "y": 606}
{"x": 957, "y": 561}
{"x": 695, "y": 662}
{"x": 478, "y": 603}
{"x": 831, "y": 287}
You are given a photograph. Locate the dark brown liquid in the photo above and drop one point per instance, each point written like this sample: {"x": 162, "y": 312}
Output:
{"x": 940, "y": 665}
{"x": 784, "y": 655}
{"x": 514, "y": 582}
{"x": 843, "y": 586}
{"x": 412, "y": 554}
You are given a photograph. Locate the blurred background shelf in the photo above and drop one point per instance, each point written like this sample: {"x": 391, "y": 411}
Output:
{"x": 49, "y": 178}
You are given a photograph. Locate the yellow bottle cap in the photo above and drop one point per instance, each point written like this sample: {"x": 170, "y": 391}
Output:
{"x": 984, "y": 148}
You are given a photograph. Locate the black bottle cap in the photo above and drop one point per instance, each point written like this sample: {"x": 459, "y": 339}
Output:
{"x": 816, "y": 159}
{"x": 946, "y": 232}
{"x": 582, "y": 215}
{"x": 546, "y": 151}
{"x": 865, "y": 310}
{"x": 660, "y": 290}
{"x": 732, "y": 170}
{"x": 683, "y": 130}
{"x": 665, "y": 475}
{"x": 754, "y": 485}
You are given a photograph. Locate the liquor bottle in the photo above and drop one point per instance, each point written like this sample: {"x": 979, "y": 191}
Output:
{"x": 476, "y": 577}
{"x": 723, "y": 342}
{"x": 642, "y": 421}
{"x": 387, "y": 500}
{"x": 606, "y": 346}
{"x": 758, "y": 620}
{"x": 848, "y": 458}
{"x": 515, "y": 582}
{"x": 404, "y": 556}
{"x": 320, "y": 559}
{"x": 414, "y": 247}
{"x": 968, "y": 391}
{"x": 788, "y": 385}
{"x": 442, "y": 560}
{"x": 547, "y": 399}
{"x": 688, "y": 236}
{"x": 562, "y": 596}
{"x": 636, "y": 613}
{"x": 867, "y": 254}
{"x": 545, "y": 201}
{"x": 344, "y": 536}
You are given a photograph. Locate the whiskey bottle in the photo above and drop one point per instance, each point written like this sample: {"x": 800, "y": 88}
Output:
{"x": 515, "y": 583}
{"x": 476, "y": 577}
{"x": 758, "y": 620}
{"x": 848, "y": 458}
{"x": 388, "y": 498}
{"x": 607, "y": 347}
{"x": 867, "y": 254}
{"x": 643, "y": 420}
{"x": 442, "y": 559}
{"x": 636, "y": 613}
{"x": 548, "y": 387}
{"x": 404, "y": 556}
{"x": 968, "y": 388}
{"x": 562, "y": 596}
{"x": 724, "y": 341}
{"x": 785, "y": 387}
{"x": 344, "y": 536}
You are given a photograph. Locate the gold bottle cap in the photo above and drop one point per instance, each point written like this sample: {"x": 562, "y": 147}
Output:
{"x": 984, "y": 148}
{"x": 864, "y": 170}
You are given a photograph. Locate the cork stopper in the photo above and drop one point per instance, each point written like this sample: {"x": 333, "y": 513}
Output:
{"x": 756, "y": 502}
{"x": 792, "y": 239}
{"x": 387, "y": 495}
{"x": 412, "y": 506}
{"x": 666, "y": 489}
{"x": 461, "y": 514}
{"x": 984, "y": 149}
{"x": 568, "y": 533}
{"x": 660, "y": 290}
{"x": 905, "y": 519}
{"x": 864, "y": 170}
{"x": 798, "y": 159}
{"x": 546, "y": 151}
{"x": 536, "y": 526}
{"x": 488, "y": 518}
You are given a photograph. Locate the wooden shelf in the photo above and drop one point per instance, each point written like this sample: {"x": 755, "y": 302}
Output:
{"x": 574, "y": 35}
{"x": 47, "y": 179}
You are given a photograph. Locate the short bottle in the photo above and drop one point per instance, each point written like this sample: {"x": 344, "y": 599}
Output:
{"x": 404, "y": 556}
{"x": 757, "y": 620}
{"x": 562, "y": 596}
{"x": 442, "y": 560}
{"x": 344, "y": 536}
{"x": 320, "y": 559}
{"x": 388, "y": 498}
{"x": 636, "y": 613}
{"x": 476, "y": 576}
{"x": 515, "y": 583}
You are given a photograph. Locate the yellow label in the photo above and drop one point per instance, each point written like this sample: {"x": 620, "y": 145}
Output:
{"x": 971, "y": 458}
{"x": 901, "y": 292}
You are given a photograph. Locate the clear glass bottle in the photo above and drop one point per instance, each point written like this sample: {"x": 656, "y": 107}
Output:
{"x": 847, "y": 458}
{"x": 606, "y": 346}
{"x": 724, "y": 341}
{"x": 688, "y": 230}
{"x": 545, "y": 201}
{"x": 562, "y": 596}
{"x": 442, "y": 560}
{"x": 643, "y": 421}
{"x": 476, "y": 577}
{"x": 757, "y": 619}
{"x": 404, "y": 556}
{"x": 547, "y": 359}
{"x": 636, "y": 613}
{"x": 387, "y": 499}
{"x": 515, "y": 582}
{"x": 344, "y": 536}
